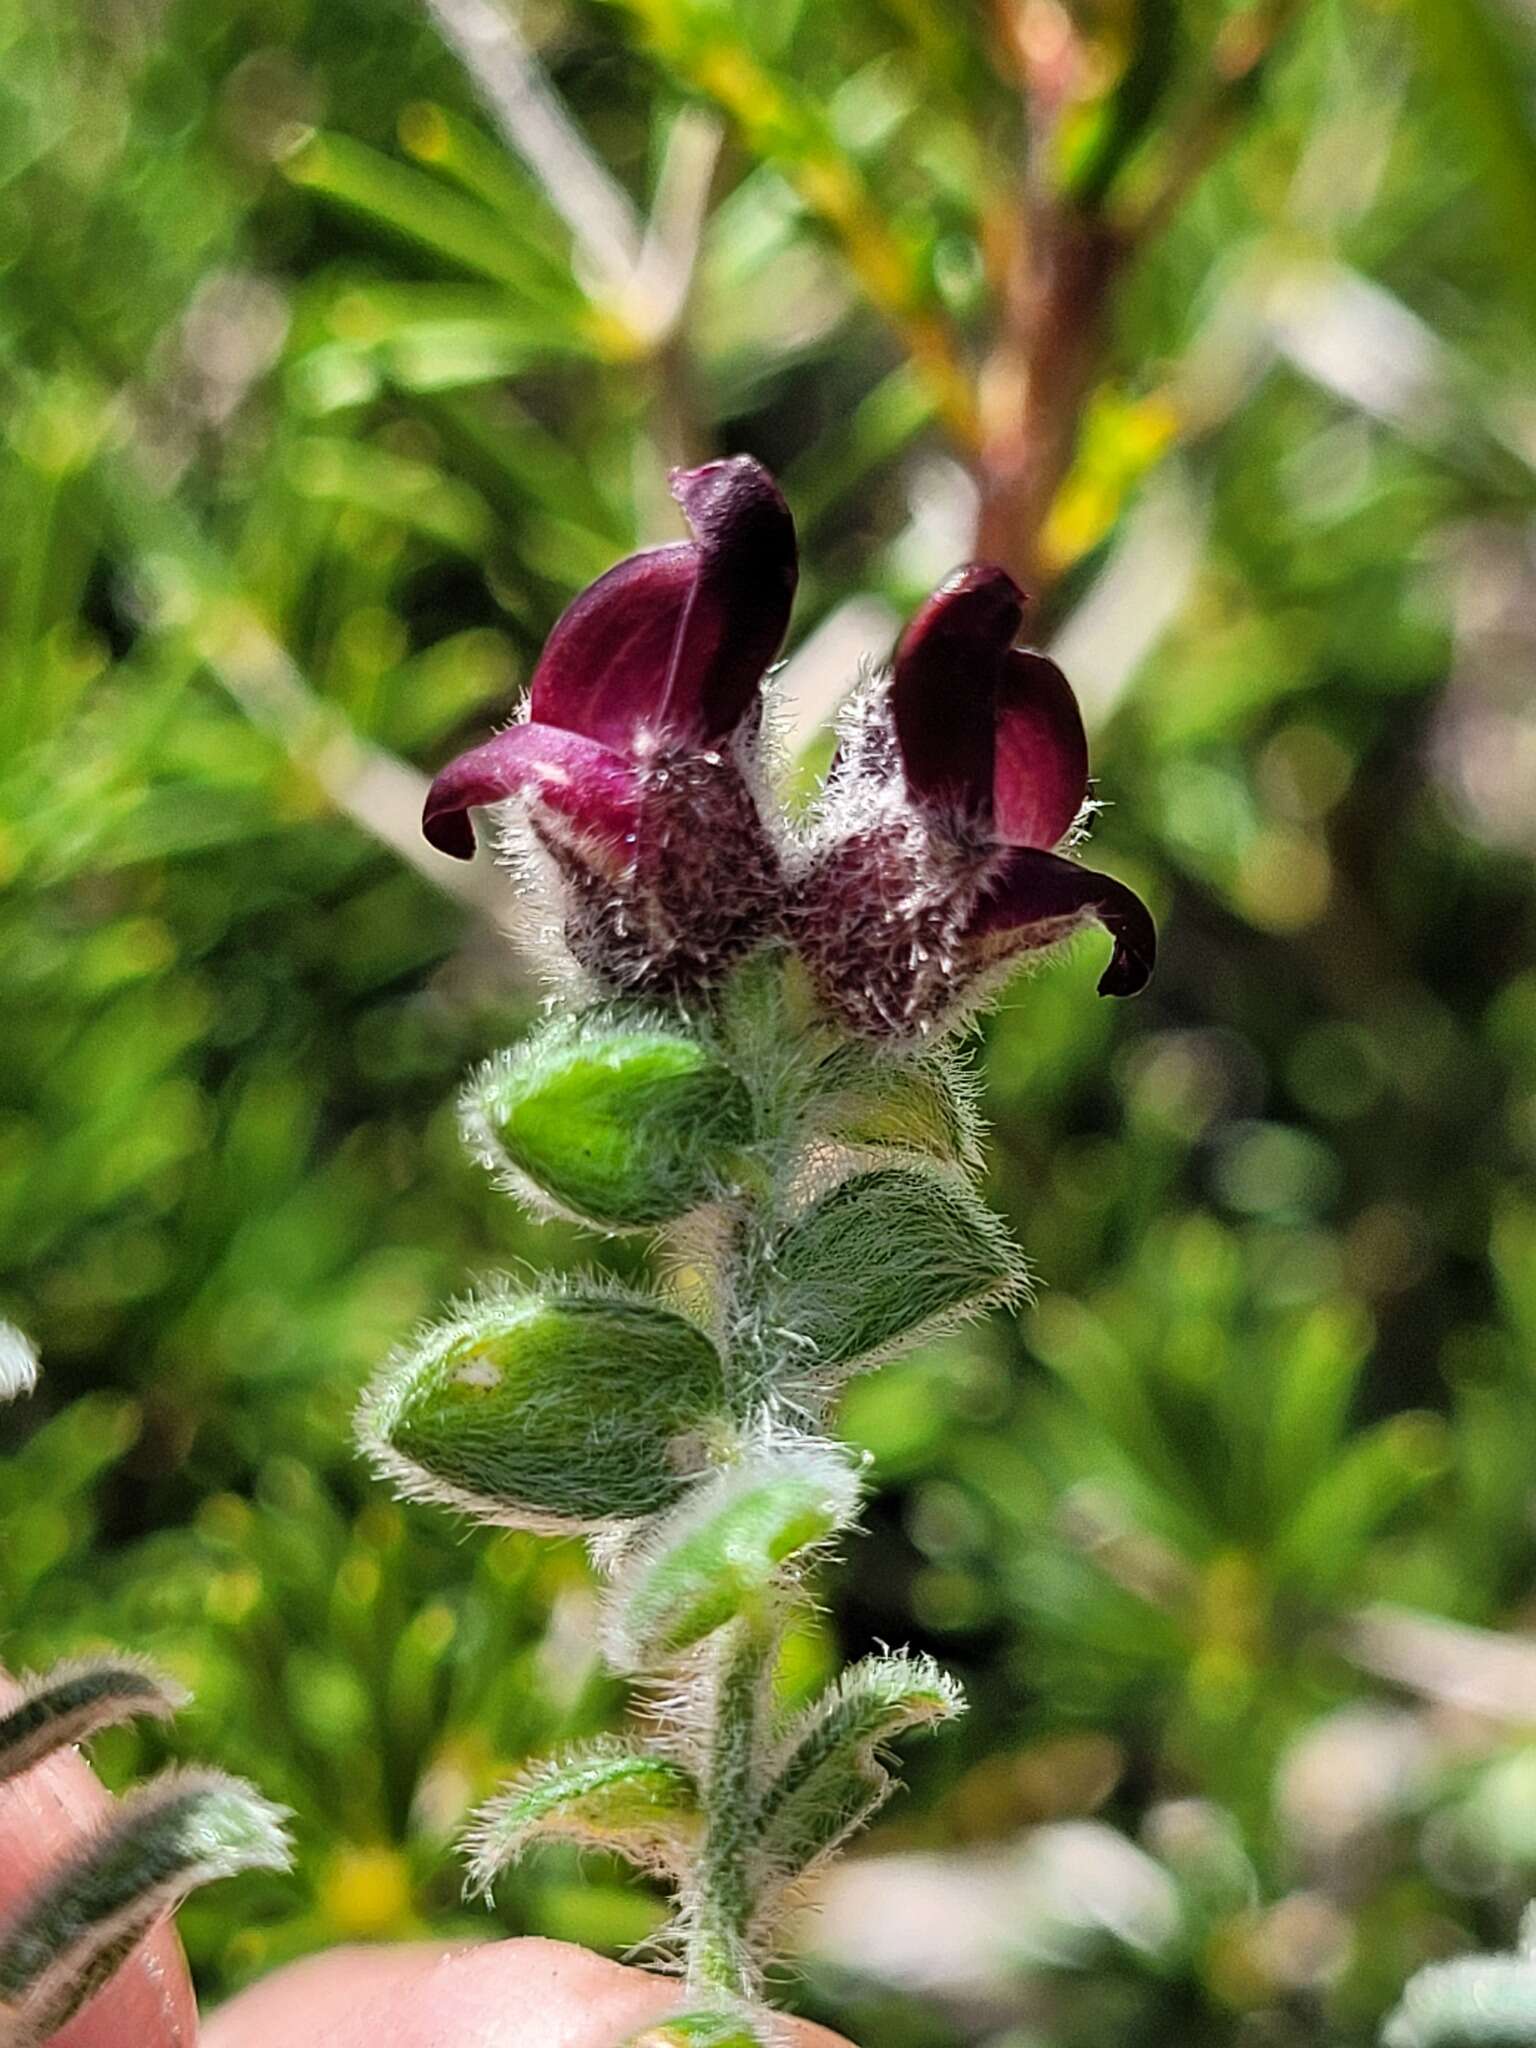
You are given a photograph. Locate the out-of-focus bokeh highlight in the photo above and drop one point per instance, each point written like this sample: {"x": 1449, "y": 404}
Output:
{"x": 326, "y": 378}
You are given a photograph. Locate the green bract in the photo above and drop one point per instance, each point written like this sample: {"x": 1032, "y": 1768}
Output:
{"x": 870, "y": 1099}
{"x": 716, "y": 2027}
{"x": 643, "y": 1807}
{"x": 74, "y": 1702}
{"x": 723, "y": 1549}
{"x": 884, "y": 1256}
{"x": 184, "y": 1830}
{"x": 830, "y": 1778}
{"x": 566, "y": 1408}
{"x": 621, "y": 1124}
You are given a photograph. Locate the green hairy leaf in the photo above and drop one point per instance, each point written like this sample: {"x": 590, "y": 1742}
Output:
{"x": 712, "y": 2027}
{"x": 184, "y": 1830}
{"x": 884, "y": 1257}
{"x": 913, "y": 1104}
{"x": 830, "y": 1777}
{"x": 605, "y": 1794}
{"x": 621, "y": 1124}
{"x": 73, "y": 1701}
{"x": 724, "y": 1548}
{"x": 568, "y": 1407}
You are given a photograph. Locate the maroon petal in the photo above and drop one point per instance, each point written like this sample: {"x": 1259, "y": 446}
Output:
{"x": 604, "y": 668}
{"x": 1039, "y": 897}
{"x": 1041, "y": 772}
{"x": 738, "y": 612}
{"x": 673, "y": 643}
{"x": 586, "y": 786}
{"x": 948, "y": 668}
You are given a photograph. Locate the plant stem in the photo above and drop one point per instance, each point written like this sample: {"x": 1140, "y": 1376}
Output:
{"x": 718, "y": 1956}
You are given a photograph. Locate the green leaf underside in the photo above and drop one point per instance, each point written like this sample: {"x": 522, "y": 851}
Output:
{"x": 623, "y": 1128}
{"x": 72, "y": 1703}
{"x": 832, "y": 1778}
{"x": 725, "y": 1549}
{"x": 182, "y": 1831}
{"x": 567, "y": 1405}
{"x": 882, "y": 1256}
{"x": 643, "y": 1807}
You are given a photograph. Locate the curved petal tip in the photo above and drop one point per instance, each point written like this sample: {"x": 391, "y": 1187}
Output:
{"x": 1039, "y": 897}
{"x": 586, "y": 784}
{"x": 949, "y": 663}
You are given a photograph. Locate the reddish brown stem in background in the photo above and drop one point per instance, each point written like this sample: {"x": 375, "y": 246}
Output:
{"x": 1039, "y": 379}
{"x": 1065, "y": 259}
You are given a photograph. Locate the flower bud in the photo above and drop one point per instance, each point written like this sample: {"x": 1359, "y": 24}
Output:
{"x": 883, "y": 1258}
{"x": 613, "y": 1122}
{"x": 723, "y": 1549}
{"x": 562, "y": 1409}
{"x": 940, "y": 855}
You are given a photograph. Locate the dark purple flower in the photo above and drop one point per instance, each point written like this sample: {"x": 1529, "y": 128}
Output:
{"x": 936, "y": 866}
{"x": 636, "y": 762}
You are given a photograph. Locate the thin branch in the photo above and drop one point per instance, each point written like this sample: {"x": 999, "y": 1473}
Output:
{"x": 1067, "y": 259}
{"x": 376, "y": 789}
{"x": 787, "y": 127}
{"x": 207, "y": 622}
{"x": 594, "y": 206}
{"x": 668, "y": 258}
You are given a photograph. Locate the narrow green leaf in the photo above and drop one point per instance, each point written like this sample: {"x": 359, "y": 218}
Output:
{"x": 723, "y": 1549}
{"x": 391, "y": 488}
{"x": 885, "y": 1258}
{"x": 1309, "y": 1399}
{"x": 1356, "y": 1496}
{"x": 73, "y": 1701}
{"x": 831, "y": 1777}
{"x": 868, "y": 1097}
{"x": 605, "y": 1795}
{"x": 184, "y": 1830}
{"x": 424, "y": 209}
{"x": 1475, "y": 49}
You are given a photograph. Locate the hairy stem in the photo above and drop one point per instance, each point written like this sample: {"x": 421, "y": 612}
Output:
{"x": 718, "y": 1955}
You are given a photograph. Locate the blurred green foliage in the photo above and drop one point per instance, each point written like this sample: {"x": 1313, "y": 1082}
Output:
{"x": 315, "y": 414}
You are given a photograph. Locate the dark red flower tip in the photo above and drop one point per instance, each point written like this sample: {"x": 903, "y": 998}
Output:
{"x": 582, "y": 788}
{"x": 1041, "y": 774}
{"x": 989, "y": 734}
{"x": 671, "y": 646}
{"x": 1038, "y": 898}
{"x": 664, "y": 653}
{"x": 605, "y": 665}
{"x": 738, "y": 610}
{"x": 944, "y": 691}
